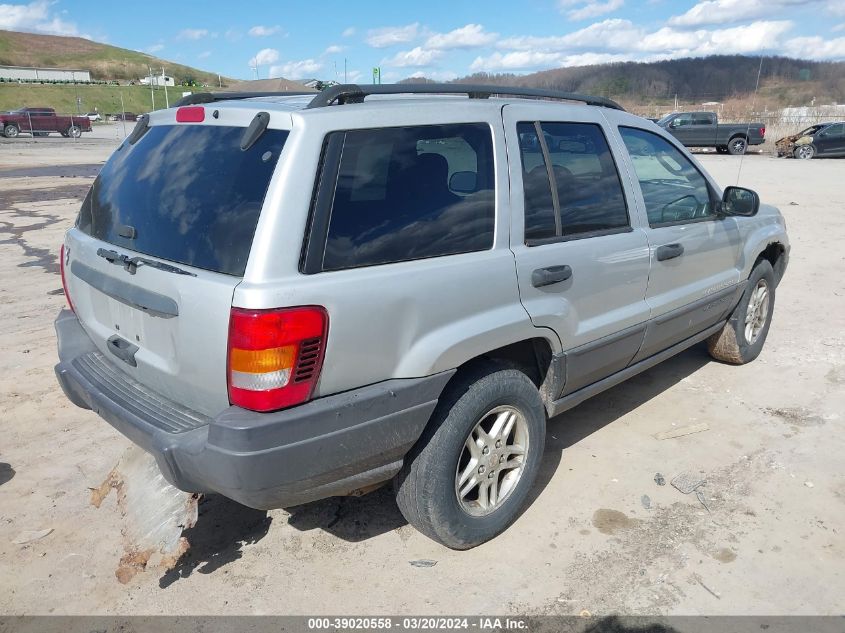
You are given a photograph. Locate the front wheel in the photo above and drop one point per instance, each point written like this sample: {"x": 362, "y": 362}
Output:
{"x": 74, "y": 131}
{"x": 741, "y": 339}
{"x": 11, "y": 131}
{"x": 737, "y": 146}
{"x": 469, "y": 475}
{"x": 805, "y": 152}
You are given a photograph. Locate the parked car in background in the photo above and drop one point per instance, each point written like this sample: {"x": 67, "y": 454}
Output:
{"x": 42, "y": 121}
{"x": 334, "y": 292}
{"x": 94, "y": 116}
{"x": 123, "y": 116}
{"x": 824, "y": 139}
{"x": 702, "y": 129}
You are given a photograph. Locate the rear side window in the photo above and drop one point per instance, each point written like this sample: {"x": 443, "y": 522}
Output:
{"x": 187, "y": 193}
{"x": 569, "y": 165}
{"x": 406, "y": 193}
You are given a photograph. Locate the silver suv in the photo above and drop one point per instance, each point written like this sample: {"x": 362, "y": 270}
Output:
{"x": 289, "y": 297}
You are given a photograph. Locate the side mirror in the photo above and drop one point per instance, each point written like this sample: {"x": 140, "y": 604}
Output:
{"x": 740, "y": 201}
{"x": 463, "y": 182}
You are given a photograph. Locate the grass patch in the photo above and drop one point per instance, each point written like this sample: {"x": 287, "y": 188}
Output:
{"x": 106, "y": 99}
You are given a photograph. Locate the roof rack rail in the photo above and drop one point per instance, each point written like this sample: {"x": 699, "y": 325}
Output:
{"x": 211, "y": 97}
{"x": 353, "y": 93}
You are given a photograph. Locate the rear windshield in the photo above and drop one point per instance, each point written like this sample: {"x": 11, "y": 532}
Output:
{"x": 187, "y": 193}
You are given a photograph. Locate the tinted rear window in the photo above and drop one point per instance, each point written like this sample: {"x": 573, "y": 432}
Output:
{"x": 189, "y": 192}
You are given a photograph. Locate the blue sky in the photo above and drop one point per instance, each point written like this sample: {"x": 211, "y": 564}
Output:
{"x": 441, "y": 39}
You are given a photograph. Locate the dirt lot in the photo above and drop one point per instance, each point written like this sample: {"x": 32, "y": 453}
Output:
{"x": 770, "y": 540}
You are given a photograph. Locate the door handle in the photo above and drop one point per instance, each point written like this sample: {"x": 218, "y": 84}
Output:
{"x": 551, "y": 275}
{"x": 669, "y": 251}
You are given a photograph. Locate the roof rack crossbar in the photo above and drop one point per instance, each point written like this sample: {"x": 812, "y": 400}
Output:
{"x": 211, "y": 97}
{"x": 353, "y": 93}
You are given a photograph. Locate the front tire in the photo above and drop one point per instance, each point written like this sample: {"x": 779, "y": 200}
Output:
{"x": 742, "y": 338}
{"x": 805, "y": 152}
{"x": 468, "y": 477}
{"x": 11, "y": 131}
{"x": 737, "y": 146}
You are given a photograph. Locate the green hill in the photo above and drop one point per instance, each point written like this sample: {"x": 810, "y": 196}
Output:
{"x": 783, "y": 81}
{"x": 105, "y": 62}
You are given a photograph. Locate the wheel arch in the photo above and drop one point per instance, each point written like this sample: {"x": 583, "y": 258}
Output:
{"x": 536, "y": 357}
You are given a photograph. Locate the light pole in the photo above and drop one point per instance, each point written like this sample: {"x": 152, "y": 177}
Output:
{"x": 164, "y": 80}
{"x": 152, "y": 94}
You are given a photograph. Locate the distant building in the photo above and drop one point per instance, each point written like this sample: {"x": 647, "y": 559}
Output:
{"x": 43, "y": 74}
{"x": 158, "y": 80}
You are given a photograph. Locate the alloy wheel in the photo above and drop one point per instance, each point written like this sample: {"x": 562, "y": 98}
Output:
{"x": 492, "y": 461}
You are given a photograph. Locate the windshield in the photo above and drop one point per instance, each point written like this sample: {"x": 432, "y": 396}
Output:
{"x": 185, "y": 193}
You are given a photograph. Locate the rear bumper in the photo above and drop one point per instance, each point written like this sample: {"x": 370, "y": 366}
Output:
{"x": 326, "y": 447}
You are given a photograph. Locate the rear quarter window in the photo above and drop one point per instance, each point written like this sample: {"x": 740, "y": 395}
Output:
{"x": 409, "y": 193}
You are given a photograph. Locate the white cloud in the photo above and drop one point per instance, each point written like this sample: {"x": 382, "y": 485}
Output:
{"x": 469, "y": 36}
{"x": 416, "y": 57}
{"x": 265, "y": 56}
{"x": 296, "y": 70}
{"x": 334, "y": 49}
{"x": 204, "y": 55}
{"x": 353, "y": 75}
{"x": 621, "y": 40}
{"x": 155, "y": 48}
{"x": 264, "y": 31}
{"x": 193, "y": 34}
{"x": 391, "y": 35}
{"x": 349, "y": 31}
{"x": 436, "y": 75}
{"x": 838, "y": 27}
{"x": 815, "y": 47}
{"x": 36, "y": 17}
{"x": 720, "y": 12}
{"x": 233, "y": 35}
{"x": 586, "y": 9}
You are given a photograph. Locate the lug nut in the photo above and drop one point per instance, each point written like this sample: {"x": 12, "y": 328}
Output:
{"x": 481, "y": 470}
{"x": 498, "y": 443}
{"x": 501, "y": 459}
{"x": 491, "y": 475}
{"x": 485, "y": 450}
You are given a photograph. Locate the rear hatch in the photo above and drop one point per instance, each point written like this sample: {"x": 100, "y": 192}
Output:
{"x": 161, "y": 241}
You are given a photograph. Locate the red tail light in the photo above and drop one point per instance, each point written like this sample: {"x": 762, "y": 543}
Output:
{"x": 763, "y": 131}
{"x": 275, "y": 356}
{"x": 190, "y": 114}
{"x": 63, "y": 253}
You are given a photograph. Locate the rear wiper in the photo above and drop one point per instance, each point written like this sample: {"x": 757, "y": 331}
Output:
{"x": 130, "y": 264}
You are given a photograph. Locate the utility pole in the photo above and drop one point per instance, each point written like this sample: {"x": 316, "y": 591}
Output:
{"x": 345, "y": 80}
{"x": 164, "y": 79}
{"x": 152, "y": 94}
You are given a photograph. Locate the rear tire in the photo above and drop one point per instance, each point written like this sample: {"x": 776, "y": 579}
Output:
{"x": 805, "y": 152}
{"x": 737, "y": 146}
{"x": 466, "y": 481}
{"x": 11, "y": 131}
{"x": 721, "y": 149}
{"x": 74, "y": 131}
{"x": 742, "y": 338}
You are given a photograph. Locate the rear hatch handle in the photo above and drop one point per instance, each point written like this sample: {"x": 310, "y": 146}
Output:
{"x": 130, "y": 264}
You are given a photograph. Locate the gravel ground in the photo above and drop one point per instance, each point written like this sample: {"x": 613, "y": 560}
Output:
{"x": 768, "y": 542}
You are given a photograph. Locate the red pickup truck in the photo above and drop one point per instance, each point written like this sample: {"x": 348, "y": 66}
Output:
{"x": 42, "y": 121}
